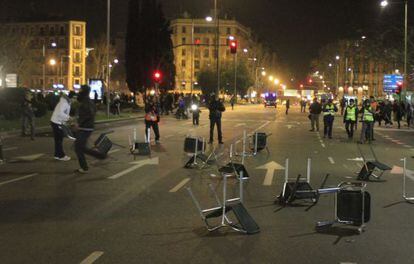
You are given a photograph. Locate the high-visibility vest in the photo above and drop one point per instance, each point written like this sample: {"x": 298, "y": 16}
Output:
{"x": 350, "y": 113}
{"x": 329, "y": 110}
{"x": 368, "y": 115}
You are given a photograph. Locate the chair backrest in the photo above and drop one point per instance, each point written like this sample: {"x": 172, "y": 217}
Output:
{"x": 193, "y": 145}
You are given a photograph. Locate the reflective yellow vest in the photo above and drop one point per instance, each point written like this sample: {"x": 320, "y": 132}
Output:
{"x": 329, "y": 110}
{"x": 350, "y": 113}
{"x": 368, "y": 115}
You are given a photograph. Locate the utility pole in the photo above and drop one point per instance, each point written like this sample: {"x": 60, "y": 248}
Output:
{"x": 217, "y": 19}
{"x": 235, "y": 76}
{"x": 405, "y": 80}
{"x": 108, "y": 37}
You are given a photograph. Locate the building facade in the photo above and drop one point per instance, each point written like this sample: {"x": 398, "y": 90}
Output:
{"x": 59, "y": 52}
{"x": 194, "y": 47}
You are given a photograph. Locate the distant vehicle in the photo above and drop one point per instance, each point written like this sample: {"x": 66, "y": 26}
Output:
{"x": 270, "y": 100}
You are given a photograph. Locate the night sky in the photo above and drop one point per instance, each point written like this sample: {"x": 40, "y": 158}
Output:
{"x": 295, "y": 29}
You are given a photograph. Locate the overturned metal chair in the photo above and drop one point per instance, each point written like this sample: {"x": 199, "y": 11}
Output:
{"x": 371, "y": 166}
{"x": 406, "y": 196}
{"x": 245, "y": 223}
{"x": 196, "y": 148}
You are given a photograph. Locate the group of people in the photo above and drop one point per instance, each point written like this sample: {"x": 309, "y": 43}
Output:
{"x": 370, "y": 112}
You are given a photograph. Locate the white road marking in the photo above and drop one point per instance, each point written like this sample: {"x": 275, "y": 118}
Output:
{"x": 270, "y": 168}
{"x": 408, "y": 146}
{"x": 19, "y": 179}
{"x": 356, "y": 159}
{"x": 240, "y": 124}
{"x": 262, "y": 126}
{"x": 30, "y": 157}
{"x": 92, "y": 257}
{"x": 113, "y": 151}
{"x": 10, "y": 148}
{"x": 331, "y": 160}
{"x": 180, "y": 185}
{"x": 168, "y": 136}
{"x": 138, "y": 164}
{"x": 289, "y": 126}
{"x": 323, "y": 145}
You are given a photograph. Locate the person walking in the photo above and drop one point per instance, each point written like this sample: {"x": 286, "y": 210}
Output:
{"x": 398, "y": 109}
{"x": 350, "y": 118}
{"x": 59, "y": 118}
{"x": 216, "y": 108}
{"x": 85, "y": 127}
{"x": 287, "y": 106}
{"x": 329, "y": 110}
{"x": 28, "y": 117}
{"x": 315, "y": 110}
{"x": 232, "y": 102}
{"x": 195, "y": 110}
{"x": 409, "y": 114}
{"x": 367, "y": 122}
{"x": 387, "y": 113}
{"x": 152, "y": 119}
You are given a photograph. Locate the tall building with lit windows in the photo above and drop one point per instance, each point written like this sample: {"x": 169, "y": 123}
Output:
{"x": 190, "y": 59}
{"x": 59, "y": 51}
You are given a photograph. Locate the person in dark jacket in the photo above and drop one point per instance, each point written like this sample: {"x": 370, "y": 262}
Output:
{"x": 152, "y": 118}
{"x": 287, "y": 106}
{"x": 216, "y": 109}
{"x": 85, "y": 127}
{"x": 315, "y": 110}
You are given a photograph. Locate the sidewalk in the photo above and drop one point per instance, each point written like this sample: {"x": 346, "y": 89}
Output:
{"x": 45, "y": 127}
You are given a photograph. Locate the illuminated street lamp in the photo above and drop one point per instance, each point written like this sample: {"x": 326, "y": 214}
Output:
{"x": 263, "y": 73}
{"x": 52, "y": 62}
{"x": 384, "y": 4}
{"x": 209, "y": 19}
{"x": 276, "y": 81}
{"x": 337, "y": 57}
{"x": 330, "y": 64}
{"x": 271, "y": 78}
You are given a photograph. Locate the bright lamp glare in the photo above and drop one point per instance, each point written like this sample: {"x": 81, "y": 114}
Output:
{"x": 384, "y": 3}
{"x": 194, "y": 107}
{"x": 209, "y": 19}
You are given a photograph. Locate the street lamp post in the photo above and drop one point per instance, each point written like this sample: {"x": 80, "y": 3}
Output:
{"x": 216, "y": 16}
{"x": 384, "y": 4}
{"x": 108, "y": 77}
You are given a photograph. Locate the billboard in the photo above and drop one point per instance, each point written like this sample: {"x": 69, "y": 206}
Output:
{"x": 11, "y": 80}
{"x": 96, "y": 85}
{"x": 390, "y": 82}
{"x": 289, "y": 92}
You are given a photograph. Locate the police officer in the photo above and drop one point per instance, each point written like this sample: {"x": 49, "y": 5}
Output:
{"x": 328, "y": 110}
{"x": 216, "y": 108}
{"x": 350, "y": 118}
{"x": 367, "y": 122}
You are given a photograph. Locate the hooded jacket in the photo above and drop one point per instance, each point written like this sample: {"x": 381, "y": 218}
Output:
{"x": 61, "y": 113}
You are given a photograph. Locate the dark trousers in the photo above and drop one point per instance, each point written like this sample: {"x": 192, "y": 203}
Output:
{"x": 154, "y": 125}
{"x": 81, "y": 149}
{"x": 327, "y": 125}
{"x": 366, "y": 131}
{"x": 287, "y": 110}
{"x": 349, "y": 126}
{"x": 28, "y": 121}
{"x": 214, "y": 122}
{"x": 58, "y": 136}
{"x": 196, "y": 119}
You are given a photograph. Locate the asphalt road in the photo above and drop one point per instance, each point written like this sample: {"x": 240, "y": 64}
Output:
{"x": 138, "y": 211}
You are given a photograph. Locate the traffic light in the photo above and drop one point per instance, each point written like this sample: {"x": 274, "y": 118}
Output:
{"x": 233, "y": 46}
{"x": 310, "y": 80}
{"x": 197, "y": 41}
{"x": 157, "y": 76}
{"x": 399, "y": 88}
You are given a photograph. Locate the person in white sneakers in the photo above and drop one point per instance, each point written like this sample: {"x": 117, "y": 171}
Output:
{"x": 59, "y": 118}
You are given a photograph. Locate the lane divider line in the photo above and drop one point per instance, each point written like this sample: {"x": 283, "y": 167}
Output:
{"x": 331, "y": 160}
{"x": 179, "y": 185}
{"x": 19, "y": 179}
{"x": 92, "y": 257}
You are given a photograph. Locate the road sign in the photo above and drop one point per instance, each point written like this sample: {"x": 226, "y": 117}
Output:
{"x": 391, "y": 81}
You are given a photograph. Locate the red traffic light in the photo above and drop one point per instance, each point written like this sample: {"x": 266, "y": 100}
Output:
{"x": 310, "y": 80}
{"x": 157, "y": 76}
{"x": 233, "y": 46}
{"x": 399, "y": 88}
{"x": 301, "y": 86}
